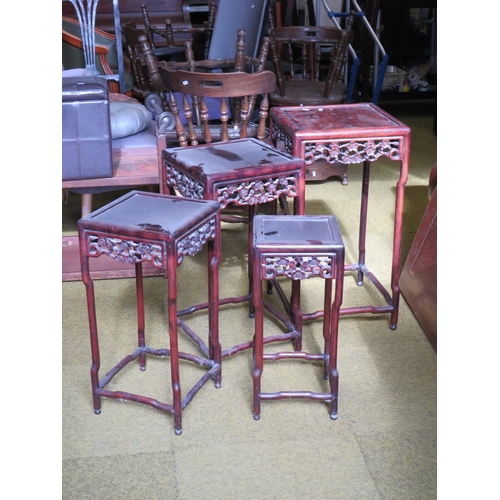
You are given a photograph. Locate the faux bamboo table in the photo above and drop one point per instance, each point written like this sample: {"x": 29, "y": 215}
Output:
{"x": 240, "y": 173}
{"x": 350, "y": 134}
{"x": 298, "y": 248}
{"x": 146, "y": 227}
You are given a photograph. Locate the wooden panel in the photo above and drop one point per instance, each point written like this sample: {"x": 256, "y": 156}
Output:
{"x": 133, "y": 167}
{"x": 418, "y": 281}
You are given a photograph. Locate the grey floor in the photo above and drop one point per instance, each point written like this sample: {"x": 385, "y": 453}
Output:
{"x": 384, "y": 443}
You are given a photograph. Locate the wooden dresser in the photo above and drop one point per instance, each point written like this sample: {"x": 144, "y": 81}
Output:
{"x": 418, "y": 281}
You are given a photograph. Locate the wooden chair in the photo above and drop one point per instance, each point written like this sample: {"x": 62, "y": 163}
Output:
{"x": 145, "y": 82}
{"x": 215, "y": 39}
{"x": 173, "y": 34}
{"x": 316, "y": 84}
{"x": 233, "y": 97}
{"x": 237, "y": 85}
{"x": 143, "y": 85}
{"x": 239, "y": 62}
{"x": 157, "y": 102}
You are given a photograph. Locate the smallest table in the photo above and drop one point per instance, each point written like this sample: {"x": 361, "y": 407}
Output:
{"x": 298, "y": 247}
{"x": 160, "y": 229}
{"x": 350, "y": 134}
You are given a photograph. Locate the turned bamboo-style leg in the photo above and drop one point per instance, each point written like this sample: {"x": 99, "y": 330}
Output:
{"x": 258, "y": 342}
{"x": 174, "y": 347}
{"x": 141, "y": 322}
{"x": 94, "y": 340}
{"x": 86, "y": 204}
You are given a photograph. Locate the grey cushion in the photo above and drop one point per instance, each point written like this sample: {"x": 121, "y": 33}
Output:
{"x": 128, "y": 118}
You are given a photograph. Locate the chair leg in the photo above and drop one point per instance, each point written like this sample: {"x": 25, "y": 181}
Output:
{"x": 86, "y": 204}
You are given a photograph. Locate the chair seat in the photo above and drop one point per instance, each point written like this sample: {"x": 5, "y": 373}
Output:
{"x": 322, "y": 53}
{"x": 308, "y": 93}
{"x": 169, "y": 53}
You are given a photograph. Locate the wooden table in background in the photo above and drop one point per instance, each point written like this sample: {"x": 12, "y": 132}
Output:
{"x": 351, "y": 134}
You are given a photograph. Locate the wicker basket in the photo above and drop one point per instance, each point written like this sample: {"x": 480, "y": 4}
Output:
{"x": 393, "y": 77}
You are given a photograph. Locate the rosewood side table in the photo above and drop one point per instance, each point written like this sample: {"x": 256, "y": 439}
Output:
{"x": 160, "y": 229}
{"x": 349, "y": 134}
{"x": 241, "y": 173}
{"x": 298, "y": 247}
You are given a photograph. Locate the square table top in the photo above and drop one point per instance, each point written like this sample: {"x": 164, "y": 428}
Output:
{"x": 237, "y": 158}
{"x": 291, "y": 234}
{"x": 342, "y": 121}
{"x": 159, "y": 216}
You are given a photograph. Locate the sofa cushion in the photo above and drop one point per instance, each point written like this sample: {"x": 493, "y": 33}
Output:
{"x": 128, "y": 118}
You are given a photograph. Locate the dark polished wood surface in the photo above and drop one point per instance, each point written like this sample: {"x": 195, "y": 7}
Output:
{"x": 245, "y": 173}
{"x": 298, "y": 247}
{"x": 350, "y": 134}
{"x": 315, "y": 123}
{"x": 162, "y": 230}
{"x": 418, "y": 280}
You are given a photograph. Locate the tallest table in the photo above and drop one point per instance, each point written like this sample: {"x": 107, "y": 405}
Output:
{"x": 350, "y": 134}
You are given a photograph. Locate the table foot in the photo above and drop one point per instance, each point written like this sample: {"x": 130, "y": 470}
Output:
{"x": 394, "y": 319}
{"x": 334, "y": 409}
{"x": 256, "y": 417}
{"x": 178, "y": 432}
{"x": 97, "y": 412}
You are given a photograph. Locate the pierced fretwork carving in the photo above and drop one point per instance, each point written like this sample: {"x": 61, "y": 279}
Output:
{"x": 299, "y": 267}
{"x": 126, "y": 250}
{"x": 256, "y": 192}
{"x": 279, "y": 135}
{"x": 351, "y": 151}
{"x": 244, "y": 193}
{"x": 132, "y": 252}
{"x": 193, "y": 243}
{"x": 184, "y": 184}
{"x": 341, "y": 151}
